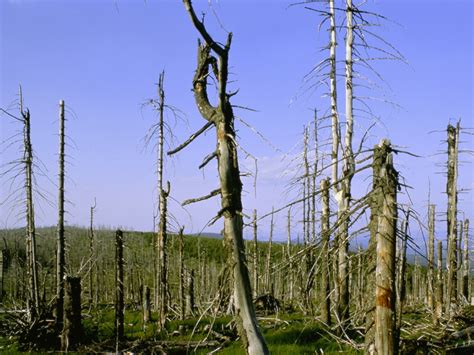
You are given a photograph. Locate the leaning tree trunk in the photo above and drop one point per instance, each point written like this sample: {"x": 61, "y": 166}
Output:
{"x": 222, "y": 117}
{"x": 60, "y": 257}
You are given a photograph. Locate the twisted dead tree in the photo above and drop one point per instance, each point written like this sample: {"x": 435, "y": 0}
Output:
{"x": 216, "y": 56}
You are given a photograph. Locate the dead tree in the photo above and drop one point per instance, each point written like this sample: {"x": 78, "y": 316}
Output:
{"x": 401, "y": 278}
{"x": 163, "y": 262}
{"x": 92, "y": 257}
{"x": 181, "y": 274}
{"x": 72, "y": 331}
{"x": 431, "y": 247}
{"x": 269, "y": 284}
{"x": 386, "y": 241}
{"x": 325, "y": 284}
{"x": 32, "y": 271}
{"x": 119, "y": 289}
{"x": 466, "y": 262}
{"x": 439, "y": 282}
{"x": 255, "y": 255}
{"x": 222, "y": 117}
{"x": 190, "y": 305}
{"x": 289, "y": 260}
{"x": 451, "y": 190}
{"x": 146, "y": 304}
{"x": 60, "y": 253}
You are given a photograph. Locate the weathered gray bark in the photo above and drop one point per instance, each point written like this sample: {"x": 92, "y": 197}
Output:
{"x": 190, "y": 306}
{"x": 344, "y": 195}
{"x": 32, "y": 271}
{"x": 231, "y": 187}
{"x": 385, "y": 269}
{"x": 163, "y": 259}
{"x": 325, "y": 264}
{"x": 439, "y": 282}
{"x": 401, "y": 279}
{"x": 72, "y": 331}
{"x": 161, "y": 291}
{"x": 466, "y": 262}
{"x": 60, "y": 252}
{"x": 451, "y": 190}
{"x": 119, "y": 289}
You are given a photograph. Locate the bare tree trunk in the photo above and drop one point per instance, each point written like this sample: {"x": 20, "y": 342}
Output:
{"x": 92, "y": 260}
{"x": 466, "y": 262}
{"x": 325, "y": 265}
{"x": 385, "y": 270}
{"x": 290, "y": 264}
{"x": 451, "y": 190}
{"x": 401, "y": 280}
{"x": 255, "y": 255}
{"x": 431, "y": 246}
{"x": 119, "y": 289}
{"x": 181, "y": 274}
{"x": 230, "y": 185}
{"x": 269, "y": 273}
{"x": 190, "y": 306}
{"x": 439, "y": 282}
{"x": 146, "y": 304}
{"x": 72, "y": 331}
{"x": 160, "y": 146}
{"x": 344, "y": 196}
{"x": 34, "y": 299}
{"x": 60, "y": 252}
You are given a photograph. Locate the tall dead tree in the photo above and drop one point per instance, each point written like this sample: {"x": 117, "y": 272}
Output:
{"x": 451, "y": 190}
{"x": 344, "y": 196}
{"x": 431, "y": 250}
{"x": 32, "y": 271}
{"x": 386, "y": 242}
{"x": 163, "y": 262}
{"x": 119, "y": 289}
{"x": 222, "y": 117}
{"x": 60, "y": 253}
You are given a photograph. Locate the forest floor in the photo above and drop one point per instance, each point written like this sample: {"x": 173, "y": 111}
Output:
{"x": 288, "y": 333}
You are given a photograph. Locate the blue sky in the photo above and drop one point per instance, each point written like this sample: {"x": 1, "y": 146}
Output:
{"x": 103, "y": 58}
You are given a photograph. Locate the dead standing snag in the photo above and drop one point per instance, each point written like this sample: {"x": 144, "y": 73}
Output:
{"x": 222, "y": 118}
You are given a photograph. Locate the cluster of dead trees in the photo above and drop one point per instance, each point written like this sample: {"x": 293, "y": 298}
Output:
{"x": 320, "y": 276}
